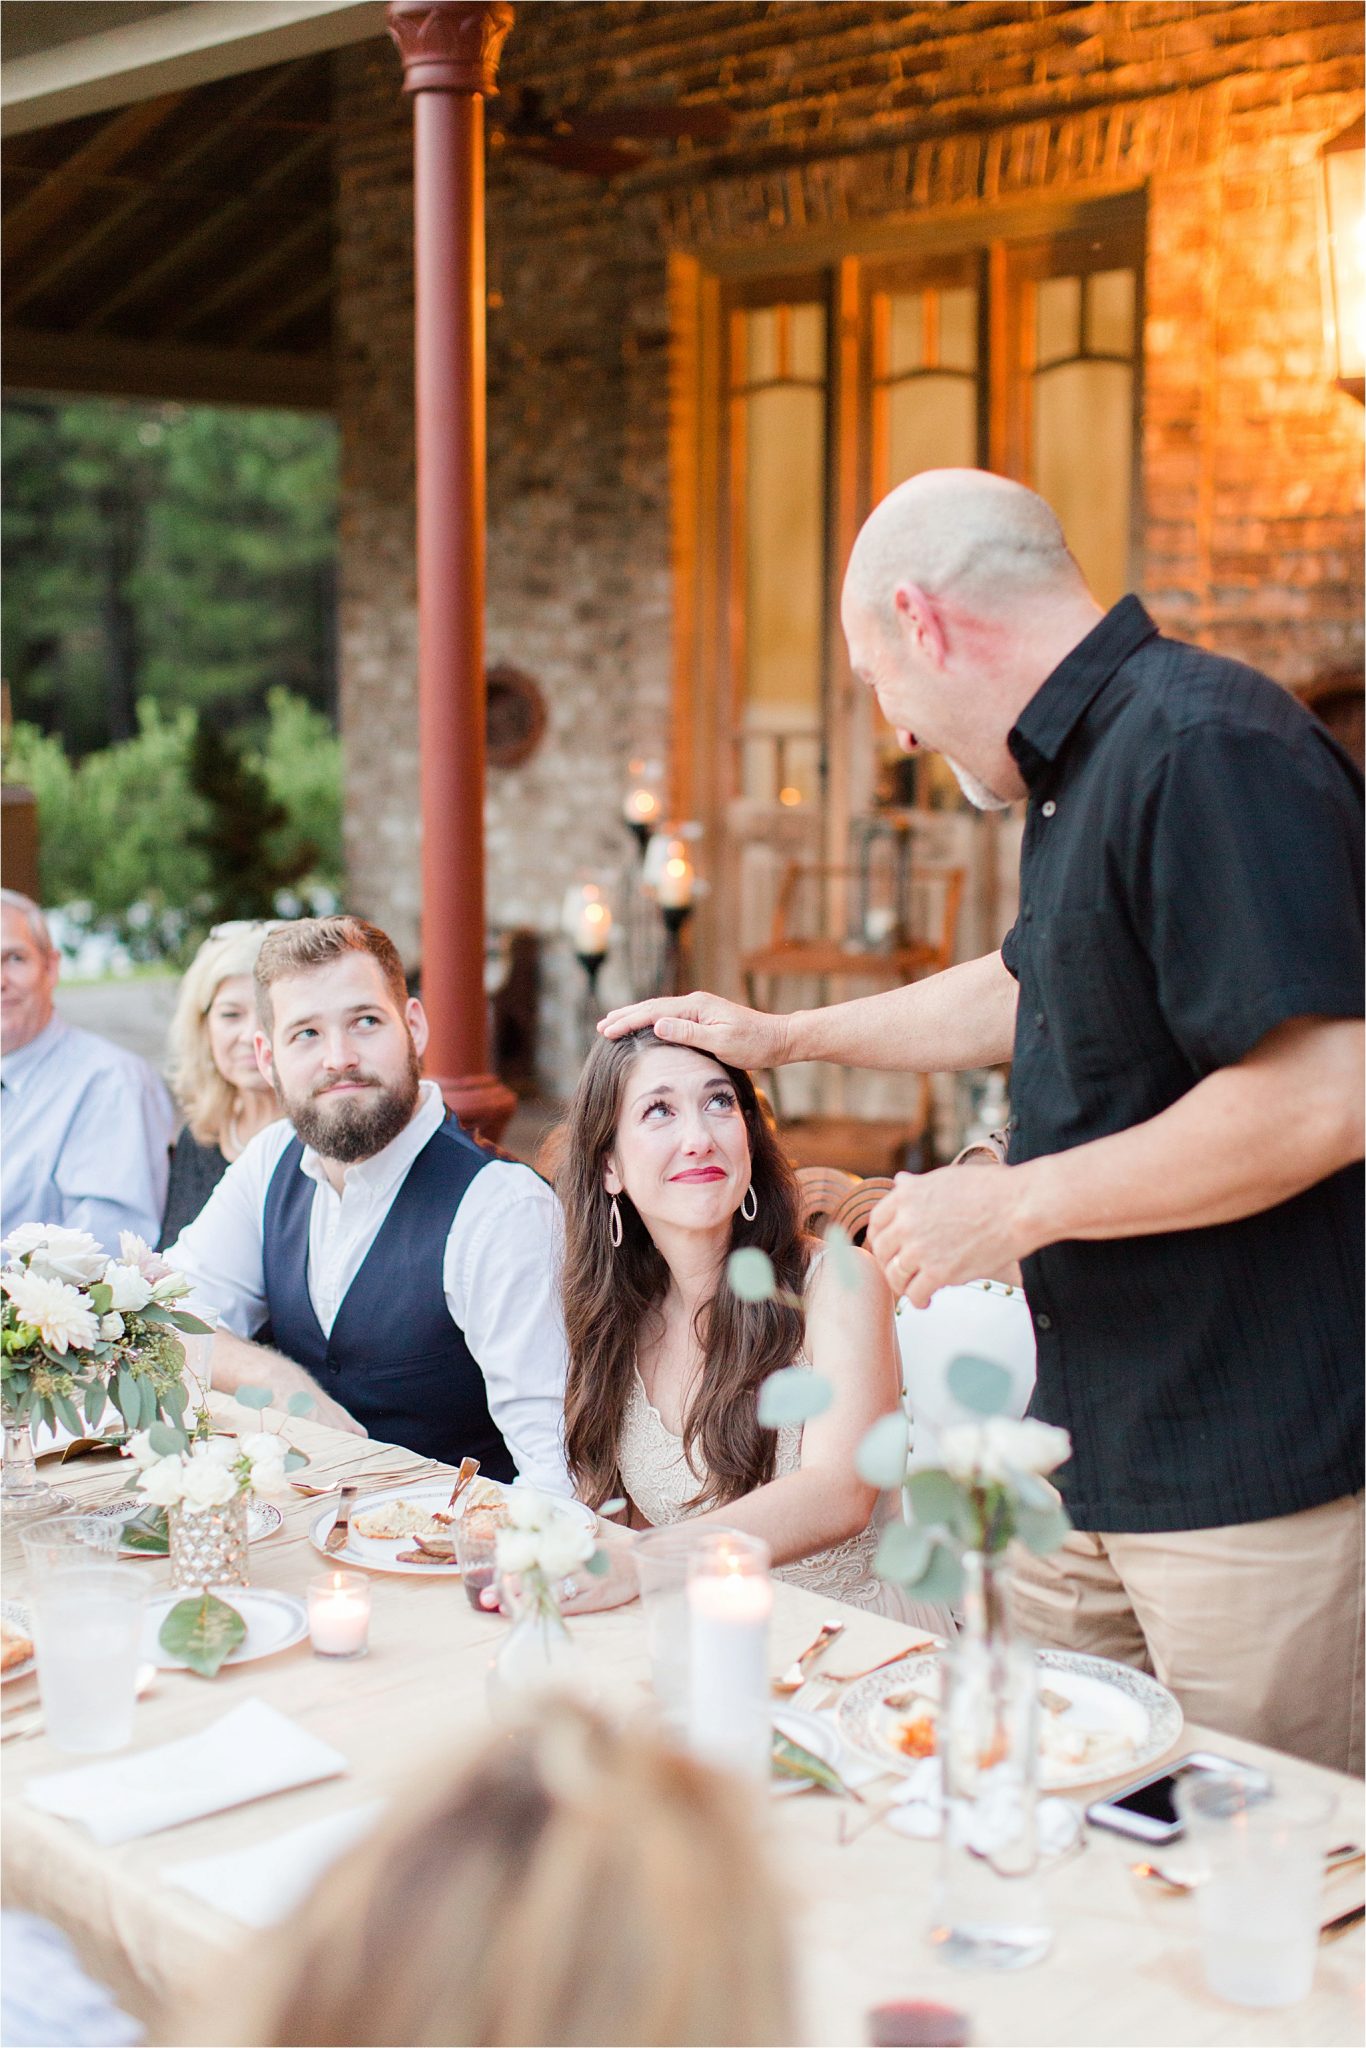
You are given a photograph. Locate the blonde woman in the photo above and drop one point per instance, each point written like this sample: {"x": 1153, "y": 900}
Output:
{"x": 576, "y": 1883}
{"x": 222, "y": 1093}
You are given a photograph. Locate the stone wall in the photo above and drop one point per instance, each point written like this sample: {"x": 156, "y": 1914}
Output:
{"x": 843, "y": 115}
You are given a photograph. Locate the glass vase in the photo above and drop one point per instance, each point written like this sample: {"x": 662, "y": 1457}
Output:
{"x": 209, "y": 1545}
{"x": 23, "y": 1495}
{"x": 537, "y": 1654}
{"x": 989, "y": 1911}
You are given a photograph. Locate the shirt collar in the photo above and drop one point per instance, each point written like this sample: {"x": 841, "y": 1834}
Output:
{"x": 382, "y": 1172}
{"x": 1058, "y": 706}
{"x": 16, "y": 1065}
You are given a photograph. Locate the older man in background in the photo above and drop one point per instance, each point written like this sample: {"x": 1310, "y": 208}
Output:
{"x": 1181, "y": 999}
{"x": 86, "y": 1126}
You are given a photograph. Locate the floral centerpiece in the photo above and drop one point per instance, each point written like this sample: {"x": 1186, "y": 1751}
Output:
{"x": 81, "y": 1332}
{"x": 545, "y": 1543}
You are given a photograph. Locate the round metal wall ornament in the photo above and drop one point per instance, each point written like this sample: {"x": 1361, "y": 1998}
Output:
{"x": 516, "y": 716}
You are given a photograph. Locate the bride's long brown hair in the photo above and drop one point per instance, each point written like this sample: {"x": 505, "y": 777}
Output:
{"x": 612, "y": 1293}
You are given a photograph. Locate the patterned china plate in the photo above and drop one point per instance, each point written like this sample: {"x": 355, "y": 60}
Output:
{"x": 17, "y": 1617}
{"x": 262, "y": 1521}
{"x": 377, "y": 1554}
{"x": 275, "y": 1621}
{"x": 1125, "y": 1718}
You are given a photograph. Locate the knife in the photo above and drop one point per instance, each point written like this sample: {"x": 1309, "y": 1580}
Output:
{"x": 339, "y": 1535}
{"x": 1331, "y": 1929}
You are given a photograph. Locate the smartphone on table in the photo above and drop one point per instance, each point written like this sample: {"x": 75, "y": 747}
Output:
{"x": 1147, "y": 1808}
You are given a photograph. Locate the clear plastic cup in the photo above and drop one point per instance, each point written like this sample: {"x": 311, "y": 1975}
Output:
{"x": 65, "y": 1542}
{"x": 661, "y": 1559}
{"x": 1260, "y": 1856}
{"x": 87, "y": 1633}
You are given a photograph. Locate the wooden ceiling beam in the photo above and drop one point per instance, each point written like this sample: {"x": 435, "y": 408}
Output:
{"x": 68, "y": 363}
{"x": 72, "y": 255}
{"x": 242, "y": 281}
{"x": 282, "y": 316}
{"x": 63, "y": 186}
{"x": 208, "y": 229}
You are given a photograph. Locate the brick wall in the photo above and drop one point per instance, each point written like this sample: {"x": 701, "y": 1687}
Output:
{"x": 842, "y": 115}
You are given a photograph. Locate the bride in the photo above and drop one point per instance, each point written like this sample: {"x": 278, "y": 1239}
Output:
{"x": 669, "y": 1166}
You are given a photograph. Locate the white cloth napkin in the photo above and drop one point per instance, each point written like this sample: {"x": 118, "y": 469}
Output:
{"x": 263, "y": 1884}
{"x": 247, "y": 1754}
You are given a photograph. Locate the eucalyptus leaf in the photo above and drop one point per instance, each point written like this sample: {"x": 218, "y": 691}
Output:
{"x": 101, "y": 1297}
{"x": 203, "y": 1631}
{"x": 295, "y": 1460}
{"x": 942, "y": 1579}
{"x": 903, "y": 1553}
{"x": 175, "y": 1401}
{"x": 254, "y": 1397}
{"x": 148, "y": 1534}
{"x": 1042, "y": 1530}
{"x": 66, "y": 1410}
{"x": 191, "y": 1326}
{"x": 599, "y": 1564}
{"x": 936, "y": 1501}
{"x": 1031, "y": 1490}
{"x": 750, "y": 1274}
{"x": 153, "y": 1312}
{"x": 128, "y": 1398}
{"x": 148, "y": 1410}
{"x": 881, "y": 1457}
{"x": 300, "y": 1403}
{"x": 790, "y": 1760}
{"x": 613, "y": 1506}
{"x": 93, "y": 1406}
{"x": 793, "y": 1396}
{"x": 165, "y": 1439}
{"x": 979, "y": 1383}
{"x": 844, "y": 1261}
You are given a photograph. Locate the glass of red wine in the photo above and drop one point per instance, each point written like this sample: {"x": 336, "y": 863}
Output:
{"x": 476, "y": 1554}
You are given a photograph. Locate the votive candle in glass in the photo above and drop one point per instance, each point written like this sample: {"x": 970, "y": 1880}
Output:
{"x": 730, "y": 1599}
{"x": 339, "y": 1615}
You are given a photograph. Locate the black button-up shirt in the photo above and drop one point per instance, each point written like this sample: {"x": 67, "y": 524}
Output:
{"x": 1191, "y": 877}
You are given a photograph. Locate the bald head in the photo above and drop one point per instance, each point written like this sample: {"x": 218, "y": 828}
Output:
{"x": 987, "y": 543}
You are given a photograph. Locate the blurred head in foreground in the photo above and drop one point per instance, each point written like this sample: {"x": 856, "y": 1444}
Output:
{"x": 575, "y": 1882}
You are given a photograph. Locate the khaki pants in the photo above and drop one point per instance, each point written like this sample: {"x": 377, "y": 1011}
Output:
{"x": 1256, "y": 1628}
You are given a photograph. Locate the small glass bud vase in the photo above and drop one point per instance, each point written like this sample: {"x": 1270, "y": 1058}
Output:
{"x": 209, "y": 1545}
{"x": 537, "y": 1654}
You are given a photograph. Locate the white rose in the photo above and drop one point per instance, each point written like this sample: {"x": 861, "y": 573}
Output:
{"x": 264, "y": 1448}
{"x": 163, "y": 1482}
{"x": 61, "y": 1254}
{"x": 139, "y": 1449}
{"x": 25, "y": 1239}
{"x": 219, "y": 1450}
{"x": 1026, "y": 1445}
{"x": 563, "y": 1548}
{"x": 111, "y": 1327}
{"x": 130, "y": 1290}
{"x": 168, "y": 1286}
{"x": 528, "y": 1509}
{"x": 517, "y": 1550}
{"x": 961, "y": 1450}
{"x": 270, "y": 1480}
{"x": 207, "y": 1484}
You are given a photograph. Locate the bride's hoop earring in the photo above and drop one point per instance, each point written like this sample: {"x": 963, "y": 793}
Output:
{"x": 752, "y": 1199}
{"x": 614, "y": 1222}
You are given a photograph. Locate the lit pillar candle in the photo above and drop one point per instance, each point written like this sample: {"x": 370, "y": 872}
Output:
{"x": 730, "y": 1600}
{"x": 641, "y": 809}
{"x": 674, "y": 888}
{"x": 339, "y": 1615}
{"x": 592, "y": 928}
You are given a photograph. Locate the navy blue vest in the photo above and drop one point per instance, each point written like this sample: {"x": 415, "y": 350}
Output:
{"x": 394, "y": 1359}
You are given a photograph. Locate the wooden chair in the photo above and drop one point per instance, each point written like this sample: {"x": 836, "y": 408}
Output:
{"x": 832, "y": 1196}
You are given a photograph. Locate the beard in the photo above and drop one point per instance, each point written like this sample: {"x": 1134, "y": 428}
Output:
{"x": 976, "y": 791}
{"x": 356, "y": 1127}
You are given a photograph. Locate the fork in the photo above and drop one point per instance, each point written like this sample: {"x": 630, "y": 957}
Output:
{"x": 313, "y": 1491}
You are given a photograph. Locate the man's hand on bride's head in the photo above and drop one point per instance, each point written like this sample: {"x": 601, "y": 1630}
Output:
{"x": 729, "y": 1032}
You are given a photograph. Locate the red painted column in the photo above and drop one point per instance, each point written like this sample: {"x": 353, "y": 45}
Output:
{"x": 450, "y": 52}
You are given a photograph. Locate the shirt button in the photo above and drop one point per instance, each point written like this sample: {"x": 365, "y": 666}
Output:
{"x": 1049, "y": 808}
{"x": 1044, "y": 1320}
{"x": 1027, "y": 914}
{"x": 1041, "y": 1020}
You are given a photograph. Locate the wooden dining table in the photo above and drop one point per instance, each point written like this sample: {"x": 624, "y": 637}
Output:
{"x": 1125, "y": 1964}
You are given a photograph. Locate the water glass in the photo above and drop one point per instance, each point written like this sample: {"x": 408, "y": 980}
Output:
{"x": 1260, "y": 1852}
{"x": 61, "y": 1543}
{"x": 87, "y": 1633}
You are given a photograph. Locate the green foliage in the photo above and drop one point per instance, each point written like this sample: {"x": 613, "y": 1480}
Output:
{"x": 204, "y": 1632}
{"x": 750, "y": 1274}
{"x": 881, "y": 1457}
{"x": 793, "y": 1396}
{"x": 186, "y": 554}
{"x": 239, "y": 831}
{"x": 978, "y": 1383}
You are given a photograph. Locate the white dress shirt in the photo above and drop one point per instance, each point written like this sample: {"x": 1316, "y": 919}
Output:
{"x": 87, "y": 1129}
{"x": 499, "y": 1270}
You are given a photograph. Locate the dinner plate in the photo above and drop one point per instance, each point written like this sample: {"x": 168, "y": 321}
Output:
{"x": 275, "y": 1621}
{"x": 18, "y": 1617}
{"x": 262, "y": 1520}
{"x": 380, "y": 1554}
{"x": 1122, "y": 1719}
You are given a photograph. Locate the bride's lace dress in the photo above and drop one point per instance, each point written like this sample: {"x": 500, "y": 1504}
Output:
{"x": 659, "y": 1479}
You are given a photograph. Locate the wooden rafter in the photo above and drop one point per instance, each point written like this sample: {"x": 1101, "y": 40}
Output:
{"x": 103, "y": 364}
{"x": 241, "y": 282}
{"x": 63, "y": 187}
{"x": 282, "y": 316}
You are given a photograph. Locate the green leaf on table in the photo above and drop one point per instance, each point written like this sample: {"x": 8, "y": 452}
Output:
{"x": 790, "y": 1760}
{"x": 942, "y": 1579}
{"x": 598, "y": 1564}
{"x": 903, "y": 1553}
{"x": 148, "y": 1534}
{"x": 937, "y": 1501}
{"x": 101, "y": 1297}
{"x": 979, "y": 1383}
{"x": 881, "y": 1457}
{"x": 750, "y": 1274}
{"x": 203, "y": 1631}
{"x": 844, "y": 1262}
{"x": 1042, "y": 1530}
{"x": 95, "y": 1402}
{"x": 165, "y": 1439}
{"x": 793, "y": 1396}
{"x": 253, "y": 1397}
{"x": 300, "y": 1403}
